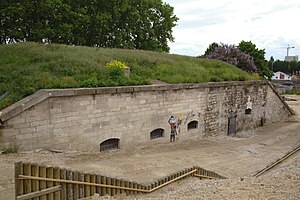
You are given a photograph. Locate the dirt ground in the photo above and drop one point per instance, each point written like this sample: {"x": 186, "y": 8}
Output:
{"x": 236, "y": 158}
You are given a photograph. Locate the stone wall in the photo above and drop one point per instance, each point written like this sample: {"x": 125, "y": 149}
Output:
{"x": 81, "y": 119}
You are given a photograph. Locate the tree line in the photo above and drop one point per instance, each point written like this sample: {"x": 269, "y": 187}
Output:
{"x": 288, "y": 67}
{"x": 130, "y": 24}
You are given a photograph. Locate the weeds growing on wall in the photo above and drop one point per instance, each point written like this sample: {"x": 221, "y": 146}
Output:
{"x": 28, "y": 67}
{"x": 12, "y": 148}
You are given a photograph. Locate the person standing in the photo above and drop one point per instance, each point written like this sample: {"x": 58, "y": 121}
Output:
{"x": 173, "y": 122}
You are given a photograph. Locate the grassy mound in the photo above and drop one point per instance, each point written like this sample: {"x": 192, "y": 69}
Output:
{"x": 28, "y": 67}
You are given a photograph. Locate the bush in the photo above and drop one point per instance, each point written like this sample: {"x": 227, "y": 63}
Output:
{"x": 116, "y": 64}
{"x": 91, "y": 81}
{"x": 116, "y": 73}
{"x": 12, "y": 148}
{"x": 234, "y": 56}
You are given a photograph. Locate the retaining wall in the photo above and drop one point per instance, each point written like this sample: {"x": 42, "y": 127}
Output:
{"x": 81, "y": 119}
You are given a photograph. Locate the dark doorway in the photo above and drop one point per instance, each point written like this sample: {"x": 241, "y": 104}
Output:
{"x": 157, "y": 133}
{"x": 232, "y": 123}
{"x": 112, "y": 143}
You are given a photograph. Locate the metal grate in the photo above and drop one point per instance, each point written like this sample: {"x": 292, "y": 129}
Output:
{"x": 157, "y": 133}
{"x": 109, "y": 144}
{"x": 193, "y": 125}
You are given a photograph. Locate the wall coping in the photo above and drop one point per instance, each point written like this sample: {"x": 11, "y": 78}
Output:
{"x": 43, "y": 94}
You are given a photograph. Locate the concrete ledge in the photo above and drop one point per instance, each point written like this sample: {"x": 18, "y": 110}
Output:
{"x": 22, "y": 105}
{"x": 125, "y": 89}
{"x": 42, "y": 95}
{"x": 108, "y": 90}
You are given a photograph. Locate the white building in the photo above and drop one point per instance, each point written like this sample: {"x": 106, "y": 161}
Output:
{"x": 281, "y": 76}
{"x": 291, "y": 58}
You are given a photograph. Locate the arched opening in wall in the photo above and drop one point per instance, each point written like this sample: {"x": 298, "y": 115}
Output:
{"x": 248, "y": 111}
{"x": 192, "y": 125}
{"x": 112, "y": 143}
{"x": 157, "y": 133}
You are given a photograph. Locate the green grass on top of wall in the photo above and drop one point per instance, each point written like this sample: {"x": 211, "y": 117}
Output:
{"x": 28, "y": 67}
{"x": 295, "y": 92}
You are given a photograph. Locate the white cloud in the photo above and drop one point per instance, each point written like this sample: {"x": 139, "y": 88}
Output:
{"x": 270, "y": 24}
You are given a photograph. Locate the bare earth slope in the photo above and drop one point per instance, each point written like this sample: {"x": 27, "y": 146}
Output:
{"x": 237, "y": 158}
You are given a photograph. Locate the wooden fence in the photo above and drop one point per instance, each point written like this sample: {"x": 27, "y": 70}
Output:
{"x": 39, "y": 182}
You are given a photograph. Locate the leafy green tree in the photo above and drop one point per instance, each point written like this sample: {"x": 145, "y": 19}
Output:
{"x": 258, "y": 56}
{"x": 271, "y": 63}
{"x": 38, "y": 21}
{"x": 132, "y": 24}
{"x": 211, "y": 48}
{"x": 12, "y": 24}
{"x": 292, "y": 67}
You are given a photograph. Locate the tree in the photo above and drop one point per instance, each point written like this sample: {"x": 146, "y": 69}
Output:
{"x": 271, "y": 63}
{"x": 258, "y": 56}
{"x": 38, "y": 21}
{"x": 234, "y": 56}
{"x": 133, "y": 24}
{"x": 11, "y": 22}
{"x": 292, "y": 67}
{"x": 211, "y": 48}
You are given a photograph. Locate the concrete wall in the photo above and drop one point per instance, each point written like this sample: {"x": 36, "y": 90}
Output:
{"x": 80, "y": 119}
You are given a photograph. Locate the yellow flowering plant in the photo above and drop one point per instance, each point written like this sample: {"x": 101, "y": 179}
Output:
{"x": 116, "y": 64}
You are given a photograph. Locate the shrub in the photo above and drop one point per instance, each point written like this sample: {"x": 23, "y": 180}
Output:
{"x": 12, "y": 148}
{"x": 234, "y": 56}
{"x": 115, "y": 73}
{"x": 116, "y": 64}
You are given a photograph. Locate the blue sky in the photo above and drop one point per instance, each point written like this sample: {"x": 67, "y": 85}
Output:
{"x": 270, "y": 24}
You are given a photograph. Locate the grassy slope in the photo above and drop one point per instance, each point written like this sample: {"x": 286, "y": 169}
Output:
{"x": 28, "y": 67}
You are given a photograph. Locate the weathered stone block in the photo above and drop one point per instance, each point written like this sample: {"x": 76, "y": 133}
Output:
{"x": 39, "y": 123}
{"x": 27, "y": 130}
{"x": 45, "y": 127}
